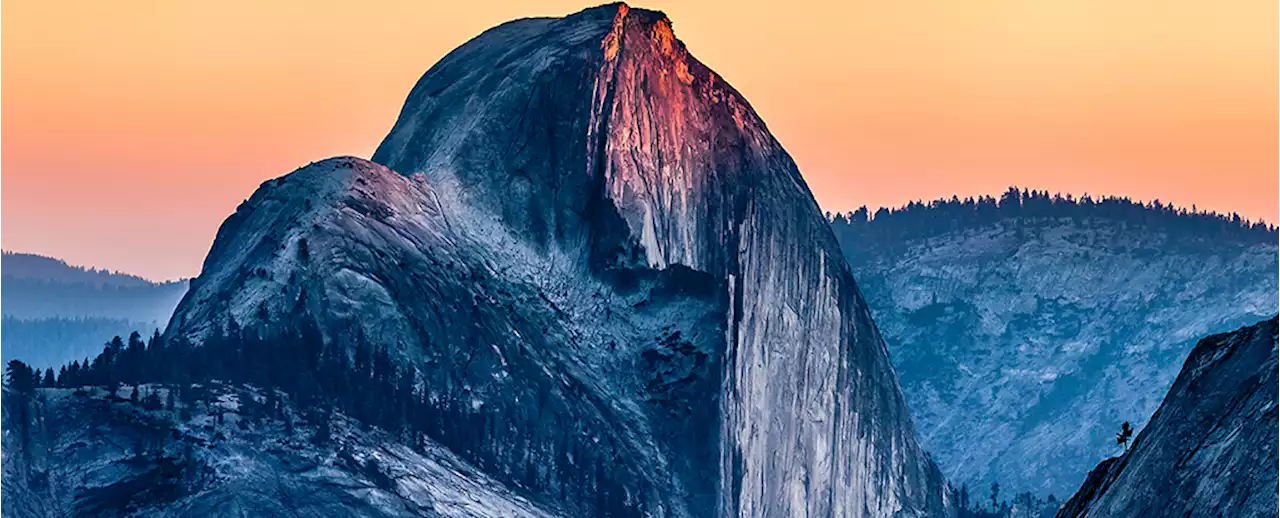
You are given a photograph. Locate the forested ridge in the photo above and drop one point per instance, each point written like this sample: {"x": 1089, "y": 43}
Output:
{"x": 919, "y": 219}
{"x": 35, "y": 266}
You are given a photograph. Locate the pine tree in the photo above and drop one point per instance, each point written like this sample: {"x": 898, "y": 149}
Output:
{"x": 20, "y": 377}
{"x": 1126, "y": 432}
{"x": 132, "y": 358}
{"x": 72, "y": 379}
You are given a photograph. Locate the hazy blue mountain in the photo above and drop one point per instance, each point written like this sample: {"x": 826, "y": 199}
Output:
{"x": 1026, "y": 329}
{"x": 33, "y": 266}
{"x": 55, "y": 312}
{"x": 35, "y": 286}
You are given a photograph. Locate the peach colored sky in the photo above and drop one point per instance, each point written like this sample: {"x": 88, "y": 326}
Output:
{"x": 131, "y": 129}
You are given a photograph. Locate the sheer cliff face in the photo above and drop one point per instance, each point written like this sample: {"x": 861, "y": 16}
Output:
{"x": 602, "y": 250}
{"x": 1210, "y": 450}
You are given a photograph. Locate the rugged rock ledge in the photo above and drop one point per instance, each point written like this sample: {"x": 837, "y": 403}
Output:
{"x": 578, "y": 377}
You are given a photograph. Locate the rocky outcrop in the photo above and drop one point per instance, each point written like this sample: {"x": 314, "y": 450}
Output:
{"x": 1210, "y": 449}
{"x": 1021, "y": 342}
{"x": 604, "y": 280}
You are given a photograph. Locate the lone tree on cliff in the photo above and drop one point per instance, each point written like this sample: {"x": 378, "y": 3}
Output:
{"x": 1122, "y": 438}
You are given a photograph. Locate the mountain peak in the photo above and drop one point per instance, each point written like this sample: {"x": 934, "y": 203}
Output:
{"x": 577, "y": 212}
{"x": 619, "y": 11}
{"x": 601, "y": 143}
{"x": 578, "y": 122}
{"x": 656, "y": 23}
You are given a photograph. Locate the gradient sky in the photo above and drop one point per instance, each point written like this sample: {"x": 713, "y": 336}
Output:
{"x": 131, "y": 129}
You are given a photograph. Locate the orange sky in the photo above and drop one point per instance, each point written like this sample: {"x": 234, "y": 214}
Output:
{"x": 131, "y": 129}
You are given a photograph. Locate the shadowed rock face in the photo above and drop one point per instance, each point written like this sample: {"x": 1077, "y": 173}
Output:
{"x": 597, "y": 251}
{"x": 1210, "y": 449}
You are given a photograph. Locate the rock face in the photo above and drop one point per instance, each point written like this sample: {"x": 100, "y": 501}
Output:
{"x": 597, "y": 243}
{"x": 220, "y": 452}
{"x": 1023, "y": 342}
{"x": 1210, "y": 449}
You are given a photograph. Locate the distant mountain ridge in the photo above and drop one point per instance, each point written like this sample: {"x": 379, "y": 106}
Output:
{"x": 1026, "y": 328}
{"x": 55, "y": 312}
{"x": 36, "y": 286}
{"x": 49, "y": 342}
{"x": 34, "y": 266}
{"x": 921, "y": 219}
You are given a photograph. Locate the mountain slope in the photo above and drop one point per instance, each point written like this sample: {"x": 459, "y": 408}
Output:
{"x": 51, "y": 342}
{"x": 1024, "y": 339}
{"x": 36, "y": 286}
{"x": 33, "y": 266}
{"x": 1210, "y": 449}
